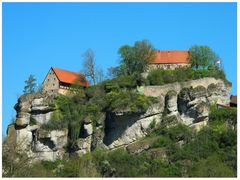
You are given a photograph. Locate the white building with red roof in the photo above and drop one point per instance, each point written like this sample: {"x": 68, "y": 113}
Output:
{"x": 170, "y": 59}
{"x": 60, "y": 80}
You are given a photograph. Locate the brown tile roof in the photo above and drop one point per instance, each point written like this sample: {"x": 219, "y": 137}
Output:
{"x": 171, "y": 57}
{"x": 233, "y": 99}
{"x": 70, "y": 77}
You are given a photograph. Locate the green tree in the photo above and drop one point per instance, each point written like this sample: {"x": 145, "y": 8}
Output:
{"x": 30, "y": 84}
{"x": 202, "y": 57}
{"x": 135, "y": 58}
{"x": 212, "y": 166}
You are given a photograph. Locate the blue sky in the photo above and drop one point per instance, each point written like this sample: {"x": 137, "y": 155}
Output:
{"x": 37, "y": 36}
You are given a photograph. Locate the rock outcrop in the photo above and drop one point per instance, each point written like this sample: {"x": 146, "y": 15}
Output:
{"x": 186, "y": 102}
{"x": 36, "y": 106}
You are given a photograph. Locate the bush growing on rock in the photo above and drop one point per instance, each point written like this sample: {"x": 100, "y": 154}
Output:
{"x": 228, "y": 115}
{"x": 161, "y": 76}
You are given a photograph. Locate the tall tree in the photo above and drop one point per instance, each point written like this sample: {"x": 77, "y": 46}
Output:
{"x": 135, "y": 58}
{"x": 90, "y": 68}
{"x": 99, "y": 75}
{"x": 30, "y": 84}
{"x": 202, "y": 57}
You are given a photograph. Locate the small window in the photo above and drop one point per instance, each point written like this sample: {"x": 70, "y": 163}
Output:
{"x": 168, "y": 66}
{"x": 53, "y": 84}
{"x": 54, "y": 79}
{"x": 48, "y": 79}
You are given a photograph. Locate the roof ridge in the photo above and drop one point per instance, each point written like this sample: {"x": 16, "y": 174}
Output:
{"x": 70, "y": 77}
{"x": 66, "y": 70}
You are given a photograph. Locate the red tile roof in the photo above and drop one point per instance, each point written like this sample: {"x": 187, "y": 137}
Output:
{"x": 171, "y": 57}
{"x": 70, "y": 77}
{"x": 233, "y": 99}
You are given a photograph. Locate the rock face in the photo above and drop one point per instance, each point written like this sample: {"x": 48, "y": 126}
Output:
{"x": 35, "y": 106}
{"x": 171, "y": 101}
{"x": 29, "y": 137}
{"x": 49, "y": 145}
{"x": 191, "y": 99}
{"x": 186, "y": 102}
{"x": 126, "y": 129}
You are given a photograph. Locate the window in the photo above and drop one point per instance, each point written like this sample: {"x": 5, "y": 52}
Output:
{"x": 48, "y": 79}
{"x": 54, "y": 79}
{"x": 168, "y": 66}
{"x": 53, "y": 84}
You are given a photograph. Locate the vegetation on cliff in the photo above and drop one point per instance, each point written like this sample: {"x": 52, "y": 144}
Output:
{"x": 176, "y": 151}
{"x": 71, "y": 111}
{"x": 161, "y": 76}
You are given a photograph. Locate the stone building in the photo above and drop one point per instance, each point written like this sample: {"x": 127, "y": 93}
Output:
{"x": 169, "y": 59}
{"x": 60, "y": 81}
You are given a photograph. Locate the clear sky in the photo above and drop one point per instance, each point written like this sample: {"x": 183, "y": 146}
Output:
{"x": 37, "y": 36}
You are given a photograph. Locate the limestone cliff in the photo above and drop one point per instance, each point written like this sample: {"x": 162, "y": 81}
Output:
{"x": 187, "y": 102}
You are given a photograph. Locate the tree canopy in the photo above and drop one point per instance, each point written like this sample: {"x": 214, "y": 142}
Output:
{"x": 135, "y": 58}
{"x": 201, "y": 57}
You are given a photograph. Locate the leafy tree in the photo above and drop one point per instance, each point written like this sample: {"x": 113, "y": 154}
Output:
{"x": 135, "y": 58}
{"x": 202, "y": 57}
{"x": 228, "y": 115}
{"x": 211, "y": 167}
{"x": 30, "y": 84}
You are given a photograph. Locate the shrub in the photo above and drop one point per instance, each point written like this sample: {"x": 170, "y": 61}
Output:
{"x": 125, "y": 100}
{"x": 82, "y": 167}
{"x": 228, "y": 115}
{"x": 55, "y": 124}
{"x": 120, "y": 82}
{"x": 126, "y": 165}
{"x": 180, "y": 132}
{"x": 162, "y": 141}
{"x": 211, "y": 167}
{"x": 161, "y": 76}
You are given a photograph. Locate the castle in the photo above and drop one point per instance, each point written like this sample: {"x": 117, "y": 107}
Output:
{"x": 61, "y": 81}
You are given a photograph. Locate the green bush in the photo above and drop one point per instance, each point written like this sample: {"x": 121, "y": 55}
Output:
{"x": 180, "y": 132}
{"x": 126, "y": 165}
{"x": 158, "y": 168}
{"x": 162, "y": 141}
{"x": 212, "y": 166}
{"x": 120, "y": 82}
{"x": 161, "y": 76}
{"x": 125, "y": 100}
{"x": 228, "y": 115}
{"x": 55, "y": 125}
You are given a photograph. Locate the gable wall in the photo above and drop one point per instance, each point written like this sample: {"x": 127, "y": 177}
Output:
{"x": 51, "y": 82}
